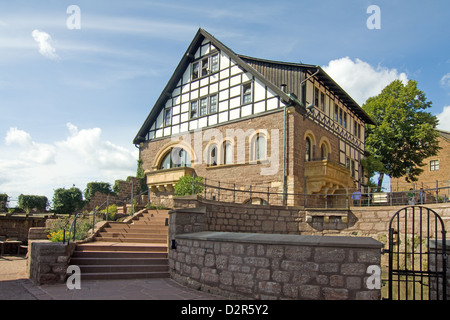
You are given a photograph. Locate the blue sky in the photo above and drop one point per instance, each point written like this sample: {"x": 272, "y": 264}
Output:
{"x": 72, "y": 100}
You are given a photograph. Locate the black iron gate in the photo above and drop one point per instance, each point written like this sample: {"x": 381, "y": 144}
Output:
{"x": 417, "y": 255}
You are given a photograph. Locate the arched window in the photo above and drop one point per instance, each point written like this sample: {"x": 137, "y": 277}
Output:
{"x": 227, "y": 152}
{"x": 212, "y": 156}
{"x": 176, "y": 158}
{"x": 260, "y": 147}
{"x": 308, "y": 149}
{"x": 324, "y": 151}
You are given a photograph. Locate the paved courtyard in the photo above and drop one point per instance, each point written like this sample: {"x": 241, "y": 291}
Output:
{"x": 14, "y": 285}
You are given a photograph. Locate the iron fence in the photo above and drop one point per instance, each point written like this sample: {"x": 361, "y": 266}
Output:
{"x": 343, "y": 198}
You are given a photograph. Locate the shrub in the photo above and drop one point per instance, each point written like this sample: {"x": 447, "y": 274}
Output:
{"x": 28, "y": 203}
{"x": 184, "y": 186}
{"x": 3, "y": 202}
{"x": 67, "y": 201}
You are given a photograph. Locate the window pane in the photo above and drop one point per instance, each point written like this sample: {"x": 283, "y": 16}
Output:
{"x": 203, "y": 106}
{"x": 194, "y": 109}
{"x": 167, "y": 117}
{"x": 260, "y": 145}
{"x": 195, "y": 70}
{"x": 215, "y": 63}
{"x": 308, "y": 150}
{"x": 247, "y": 93}
{"x": 213, "y": 156}
{"x": 165, "y": 164}
{"x": 204, "y": 67}
{"x": 227, "y": 153}
{"x": 213, "y": 104}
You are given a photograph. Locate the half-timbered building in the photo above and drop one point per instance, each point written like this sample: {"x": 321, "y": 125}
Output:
{"x": 234, "y": 119}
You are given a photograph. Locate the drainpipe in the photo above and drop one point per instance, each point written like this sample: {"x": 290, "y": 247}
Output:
{"x": 283, "y": 87}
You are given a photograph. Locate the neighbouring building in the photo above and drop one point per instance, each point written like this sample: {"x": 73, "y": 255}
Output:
{"x": 436, "y": 172}
{"x": 286, "y": 127}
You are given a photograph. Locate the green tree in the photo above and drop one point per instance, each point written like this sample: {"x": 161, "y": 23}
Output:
{"x": 67, "y": 201}
{"x": 406, "y": 133}
{"x": 183, "y": 187}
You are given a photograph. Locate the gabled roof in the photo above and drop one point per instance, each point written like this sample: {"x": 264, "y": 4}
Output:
{"x": 244, "y": 63}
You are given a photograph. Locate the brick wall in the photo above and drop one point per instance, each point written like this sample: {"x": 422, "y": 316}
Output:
{"x": 18, "y": 227}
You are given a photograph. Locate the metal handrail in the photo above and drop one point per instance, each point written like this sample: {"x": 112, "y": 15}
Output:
{"x": 370, "y": 198}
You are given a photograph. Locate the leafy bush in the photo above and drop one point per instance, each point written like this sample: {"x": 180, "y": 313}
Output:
{"x": 28, "y": 203}
{"x": 112, "y": 211}
{"x": 184, "y": 186}
{"x": 67, "y": 201}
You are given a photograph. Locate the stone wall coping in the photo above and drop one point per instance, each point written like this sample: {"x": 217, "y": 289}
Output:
{"x": 284, "y": 239}
{"x": 200, "y": 210}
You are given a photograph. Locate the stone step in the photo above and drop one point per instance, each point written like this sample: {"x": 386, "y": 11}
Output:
{"x": 122, "y": 268}
{"x": 115, "y": 246}
{"x": 123, "y": 275}
{"x": 142, "y": 255}
{"x": 135, "y": 261}
{"x": 131, "y": 240}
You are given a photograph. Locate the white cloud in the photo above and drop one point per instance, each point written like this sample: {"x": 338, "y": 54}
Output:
{"x": 444, "y": 119}
{"x": 29, "y": 167}
{"x": 445, "y": 81}
{"x": 44, "y": 41}
{"x": 30, "y": 151}
{"x": 361, "y": 80}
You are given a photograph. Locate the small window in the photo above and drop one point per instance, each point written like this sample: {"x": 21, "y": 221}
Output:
{"x": 340, "y": 117}
{"x": 247, "y": 93}
{"x": 359, "y": 131}
{"x": 212, "y": 161}
{"x": 260, "y": 147}
{"x": 213, "y": 104}
{"x": 353, "y": 168}
{"x": 316, "y": 97}
{"x": 355, "y": 128}
{"x": 336, "y": 111}
{"x": 203, "y": 106}
{"x": 194, "y": 107}
{"x": 167, "y": 117}
{"x": 195, "y": 69}
{"x": 214, "y": 63}
{"x": 322, "y": 101}
{"x": 345, "y": 120}
{"x": 308, "y": 149}
{"x": 227, "y": 153}
{"x": 205, "y": 66}
{"x": 434, "y": 165}
{"x": 324, "y": 152}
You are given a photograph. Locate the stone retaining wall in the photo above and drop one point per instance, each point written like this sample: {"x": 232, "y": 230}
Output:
{"x": 269, "y": 266}
{"x": 48, "y": 261}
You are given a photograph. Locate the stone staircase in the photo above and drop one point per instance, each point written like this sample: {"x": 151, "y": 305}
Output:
{"x": 138, "y": 249}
